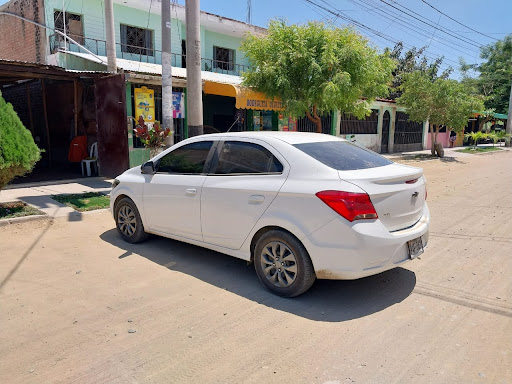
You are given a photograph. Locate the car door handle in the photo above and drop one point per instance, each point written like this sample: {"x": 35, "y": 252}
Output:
{"x": 256, "y": 199}
{"x": 191, "y": 192}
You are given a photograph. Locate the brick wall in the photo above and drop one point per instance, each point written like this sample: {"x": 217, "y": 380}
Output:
{"x": 21, "y": 40}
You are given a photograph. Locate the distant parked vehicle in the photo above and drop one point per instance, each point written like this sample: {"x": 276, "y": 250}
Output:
{"x": 301, "y": 206}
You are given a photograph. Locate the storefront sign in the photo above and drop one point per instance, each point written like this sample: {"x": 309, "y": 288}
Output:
{"x": 145, "y": 104}
{"x": 178, "y": 105}
{"x": 263, "y": 104}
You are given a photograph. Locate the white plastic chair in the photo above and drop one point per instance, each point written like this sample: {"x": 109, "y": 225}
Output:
{"x": 91, "y": 160}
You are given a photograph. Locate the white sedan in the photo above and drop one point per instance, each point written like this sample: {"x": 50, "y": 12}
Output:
{"x": 300, "y": 206}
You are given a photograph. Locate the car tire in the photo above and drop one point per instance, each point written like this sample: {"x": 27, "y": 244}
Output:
{"x": 128, "y": 222}
{"x": 283, "y": 264}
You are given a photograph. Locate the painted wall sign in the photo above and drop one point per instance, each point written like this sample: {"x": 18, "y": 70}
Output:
{"x": 287, "y": 123}
{"x": 144, "y": 104}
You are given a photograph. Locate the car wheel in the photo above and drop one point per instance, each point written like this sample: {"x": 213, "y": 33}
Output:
{"x": 128, "y": 221}
{"x": 283, "y": 264}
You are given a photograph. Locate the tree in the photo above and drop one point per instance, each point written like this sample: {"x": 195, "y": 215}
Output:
{"x": 315, "y": 69}
{"x": 410, "y": 61}
{"x": 442, "y": 102}
{"x": 18, "y": 152}
{"x": 494, "y": 74}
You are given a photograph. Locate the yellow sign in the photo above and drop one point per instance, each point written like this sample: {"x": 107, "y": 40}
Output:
{"x": 246, "y": 98}
{"x": 144, "y": 104}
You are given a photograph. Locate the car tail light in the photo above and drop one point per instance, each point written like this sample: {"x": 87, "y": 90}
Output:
{"x": 352, "y": 206}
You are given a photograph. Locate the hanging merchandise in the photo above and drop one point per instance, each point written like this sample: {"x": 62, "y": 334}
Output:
{"x": 178, "y": 105}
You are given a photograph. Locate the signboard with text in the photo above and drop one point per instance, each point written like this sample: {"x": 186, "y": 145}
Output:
{"x": 145, "y": 104}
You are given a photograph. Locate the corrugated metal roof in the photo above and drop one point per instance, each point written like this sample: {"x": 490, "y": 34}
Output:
{"x": 156, "y": 69}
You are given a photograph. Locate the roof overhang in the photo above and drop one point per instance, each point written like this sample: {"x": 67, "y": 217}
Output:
{"x": 246, "y": 98}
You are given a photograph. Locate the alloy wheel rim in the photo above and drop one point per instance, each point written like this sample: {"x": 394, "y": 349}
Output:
{"x": 126, "y": 220}
{"x": 279, "y": 264}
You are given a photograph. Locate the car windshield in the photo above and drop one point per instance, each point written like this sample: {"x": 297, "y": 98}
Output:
{"x": 343, "y": 155}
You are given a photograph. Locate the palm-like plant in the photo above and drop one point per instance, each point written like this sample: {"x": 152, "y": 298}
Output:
{"x": 494, "y": 137}
{"x": 501, "y": 135}
{"x": 475, "y": 136}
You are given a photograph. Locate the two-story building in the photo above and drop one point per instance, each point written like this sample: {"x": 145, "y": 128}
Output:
{"x": 226, "y": 105}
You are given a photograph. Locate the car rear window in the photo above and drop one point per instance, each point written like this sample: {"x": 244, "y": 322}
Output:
{"x": 343, "y": 155}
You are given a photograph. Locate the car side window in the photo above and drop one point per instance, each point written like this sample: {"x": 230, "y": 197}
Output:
{"x": 238, "y": 157}
{"x": 189, "y": 159}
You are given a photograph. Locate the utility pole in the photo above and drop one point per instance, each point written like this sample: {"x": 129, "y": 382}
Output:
{"x": 194, "y": 85}
{"x": 111, "y": 36}
{"x": 167, "y": 70}
{"x": 248, "y": 18}
{"x": 509, "y": 118}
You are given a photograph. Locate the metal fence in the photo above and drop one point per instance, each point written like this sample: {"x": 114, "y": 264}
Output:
{"x": 408, "y": 134}
{"x": 143, "y": 54}
{"x": 350, "y": 124}
{"x": 306, "y": 125}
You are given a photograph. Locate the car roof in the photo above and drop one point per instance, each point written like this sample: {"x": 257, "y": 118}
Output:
{"x": 287, "y": 137}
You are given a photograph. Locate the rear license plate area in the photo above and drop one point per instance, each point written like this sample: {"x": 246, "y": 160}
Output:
{"x": 415, "y": 248}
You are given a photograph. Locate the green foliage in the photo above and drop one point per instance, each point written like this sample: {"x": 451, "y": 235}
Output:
{"x": 411, "y": 61}
{"x": 315, "y": 69}
{"x": 84, "y": 201}
{"x": 441, "y": 102}
{"x": 18, "y": 152}
{"x": 500, "y": 136}
{"x": 17, "y": 209}
{"x": 475, "y": 137}
{"x": 475, "y": 150}
{"x": 494, "y": 74}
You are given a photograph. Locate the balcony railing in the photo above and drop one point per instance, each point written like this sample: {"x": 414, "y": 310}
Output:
{"x": 144, "y": 55}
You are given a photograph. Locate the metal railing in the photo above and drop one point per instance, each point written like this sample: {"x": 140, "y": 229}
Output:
{"x": 142, "y": 54}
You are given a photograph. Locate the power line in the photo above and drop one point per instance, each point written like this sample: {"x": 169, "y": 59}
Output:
{"x": 384, "y": 14}
{"x": 465, "y": 39}
{"x": 369, "y": 29}
{"x": 458, "y": 22}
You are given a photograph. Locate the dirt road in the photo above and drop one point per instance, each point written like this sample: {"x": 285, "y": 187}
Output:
{"x": 77, "y": 305}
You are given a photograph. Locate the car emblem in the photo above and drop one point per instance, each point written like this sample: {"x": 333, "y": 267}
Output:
{"x": 415, "y": 194}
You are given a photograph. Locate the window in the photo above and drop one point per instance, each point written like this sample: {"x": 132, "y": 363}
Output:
{"x": 183, "y": 54}
{"x": 342, "y": 155}
{"x": 136, "y": 40}
{"x": 239, "y": 157}
{"x": 223, "y": 58}
{"x": 74, "y": 26}
{"x": 189, "y": 159}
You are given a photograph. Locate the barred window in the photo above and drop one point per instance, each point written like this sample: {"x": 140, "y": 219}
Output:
{"x": 74, "y": 25}
{"x": 137, "y": 40}
{"x": 224, "y": 58}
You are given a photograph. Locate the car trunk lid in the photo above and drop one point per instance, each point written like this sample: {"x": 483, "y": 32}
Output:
{"x": 396, "y": 191}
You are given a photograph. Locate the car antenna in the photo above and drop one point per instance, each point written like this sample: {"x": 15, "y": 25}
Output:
{"x": 233, "y": 124}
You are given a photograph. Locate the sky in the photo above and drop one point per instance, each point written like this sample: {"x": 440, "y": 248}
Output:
{"x": 387, "y": 18}
{"x": 383, "y": 22}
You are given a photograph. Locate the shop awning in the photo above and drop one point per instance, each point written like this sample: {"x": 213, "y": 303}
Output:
{"x": 245, "y": 97}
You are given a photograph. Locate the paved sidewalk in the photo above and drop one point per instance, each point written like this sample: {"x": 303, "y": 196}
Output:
{"x": 38, "y": 195}
{"x": 448, "y": 152}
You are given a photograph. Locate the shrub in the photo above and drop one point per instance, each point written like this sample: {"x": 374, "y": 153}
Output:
{"x": 18, "y": 152}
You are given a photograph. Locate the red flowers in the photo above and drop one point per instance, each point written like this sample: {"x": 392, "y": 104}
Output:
{"x": 151, "y": 137}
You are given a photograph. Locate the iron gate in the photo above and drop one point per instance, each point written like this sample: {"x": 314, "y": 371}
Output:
{"x": 386, "y": 119}
{"x": 408, "y": 134}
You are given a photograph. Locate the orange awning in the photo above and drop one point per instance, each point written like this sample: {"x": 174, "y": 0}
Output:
{"x": 245, "y": 97}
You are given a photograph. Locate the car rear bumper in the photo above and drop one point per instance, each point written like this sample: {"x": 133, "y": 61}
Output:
{"x": 341, "y": 251}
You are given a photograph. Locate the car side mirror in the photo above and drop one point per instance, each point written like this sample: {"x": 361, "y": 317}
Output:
{"x": 148, "y": 168}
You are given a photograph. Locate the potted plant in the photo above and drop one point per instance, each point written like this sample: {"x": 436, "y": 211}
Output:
{"x": 152, "y": 137}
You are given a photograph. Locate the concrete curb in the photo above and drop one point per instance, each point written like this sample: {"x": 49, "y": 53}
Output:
{"x": 24, "y": 219}
{"x": 55, "y": 182}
